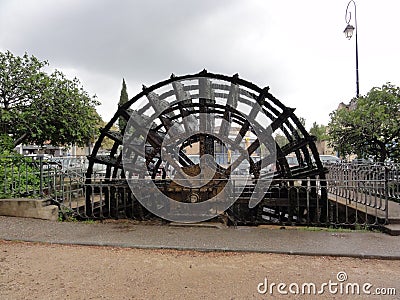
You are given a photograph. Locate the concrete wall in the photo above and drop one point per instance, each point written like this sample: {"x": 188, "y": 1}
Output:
{"x": 29, "y": 208}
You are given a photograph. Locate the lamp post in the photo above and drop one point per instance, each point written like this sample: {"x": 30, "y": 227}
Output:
{"x": 348, "y": 31}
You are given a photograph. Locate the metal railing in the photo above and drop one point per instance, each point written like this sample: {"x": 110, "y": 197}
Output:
{"x": 350, "y": 180}
{"x": 307, "y": 202}
{"x": 351, "y": 195}
{"x": 39, "y": 176}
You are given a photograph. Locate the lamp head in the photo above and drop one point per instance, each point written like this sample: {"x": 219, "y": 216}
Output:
{"x": 348, "y": 31}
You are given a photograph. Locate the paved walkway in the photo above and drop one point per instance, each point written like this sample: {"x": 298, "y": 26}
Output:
{"x": 248, "y": 239}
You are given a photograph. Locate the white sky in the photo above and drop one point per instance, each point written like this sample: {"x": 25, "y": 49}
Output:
{"x": 296, "y": 47}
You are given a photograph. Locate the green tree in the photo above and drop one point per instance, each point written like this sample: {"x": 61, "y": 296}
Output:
{"x": 107, "y": 143}
{"x": 319, "y": 131}
{"x": 372, "y": 127}
{"x": 281, "y": 140}
{"x": 123, "y": 98}
{"x": 36, "y": 107}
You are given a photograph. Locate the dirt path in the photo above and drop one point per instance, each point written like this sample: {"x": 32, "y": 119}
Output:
{"x": 44, "y": 271}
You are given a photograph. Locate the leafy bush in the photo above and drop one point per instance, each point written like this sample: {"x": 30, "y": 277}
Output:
{"x": 19, "y": 176}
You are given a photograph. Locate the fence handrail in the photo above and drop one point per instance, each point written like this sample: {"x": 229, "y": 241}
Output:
{"x": 68, "y": 185}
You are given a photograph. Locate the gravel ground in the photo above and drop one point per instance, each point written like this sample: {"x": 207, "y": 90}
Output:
{"x": 47, "y": 271}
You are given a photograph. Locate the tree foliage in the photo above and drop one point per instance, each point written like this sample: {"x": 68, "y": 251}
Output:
{"x": 372, "y": 128}
{"x": 36, "y": 107}
{"x": 107, "y": 143}
{"x": 19, "y": 176}
{"x": 319, "y": 131}
{"x": 281, "y": 140}
{"x": 122, "y": 100}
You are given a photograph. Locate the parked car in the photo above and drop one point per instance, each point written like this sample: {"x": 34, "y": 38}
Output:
{"x": 361, "y": 161}
{"x": 67, "y": 164}
{"x": 292, "y": 161}
{"x": 271, "y": 168}
{"x": 329, "y": 159}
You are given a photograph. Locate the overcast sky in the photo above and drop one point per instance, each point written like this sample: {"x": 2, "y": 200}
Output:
{"x": 297, "y": 48}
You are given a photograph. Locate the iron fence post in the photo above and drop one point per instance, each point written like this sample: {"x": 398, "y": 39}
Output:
{"x": 41, "y": 176}
{"x": 386, "y": 187}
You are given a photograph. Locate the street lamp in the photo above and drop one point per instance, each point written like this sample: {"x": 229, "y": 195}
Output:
{"x": 348, "y": 31}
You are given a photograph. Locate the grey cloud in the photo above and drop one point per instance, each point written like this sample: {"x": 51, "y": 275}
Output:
{"x": 295, "y": 47}
{"x": 121, "y": 36}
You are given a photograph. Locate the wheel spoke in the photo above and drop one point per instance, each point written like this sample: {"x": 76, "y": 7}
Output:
{"x": 230, "y": 104}
{"x": 184, "y": 100}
